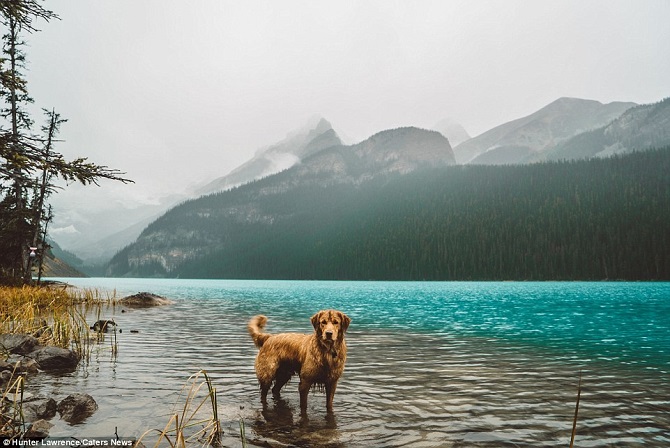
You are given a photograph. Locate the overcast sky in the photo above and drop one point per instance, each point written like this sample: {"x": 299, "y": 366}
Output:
{"x": 174, "y": 92}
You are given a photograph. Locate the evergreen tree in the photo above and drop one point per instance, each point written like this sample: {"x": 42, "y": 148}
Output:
{"x": 28, "y": 163}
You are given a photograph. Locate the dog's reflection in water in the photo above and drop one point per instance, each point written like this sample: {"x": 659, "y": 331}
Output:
{"x": 279, "y": 423}
{"x": 279, "y": 414}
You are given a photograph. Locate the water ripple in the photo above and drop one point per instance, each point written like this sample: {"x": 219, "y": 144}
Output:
{"x": 453, "y": 380}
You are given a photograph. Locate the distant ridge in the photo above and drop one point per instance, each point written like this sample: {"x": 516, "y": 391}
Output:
{"x": 638, "y": 128}
{"x": 522, "y": 139}
{"x": 581, "y": 220}
{"x": 455, "y": 132}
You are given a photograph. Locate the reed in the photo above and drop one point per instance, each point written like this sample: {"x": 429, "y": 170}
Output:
{"x": 11, "y": 408}
{"x": 194, "y": 421}
{"x": 574, "y": 421}
{"x": 55, "y": 314}
{"x": 243, "y": 434}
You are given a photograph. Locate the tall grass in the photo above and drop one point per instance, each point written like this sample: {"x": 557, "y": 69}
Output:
{"x": 11, "y": 408}
{"x": 196, "y": 420}
{"x": 55, "y": 315}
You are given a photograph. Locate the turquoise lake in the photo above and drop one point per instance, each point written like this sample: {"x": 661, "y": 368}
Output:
{"x": 450, "y": 364}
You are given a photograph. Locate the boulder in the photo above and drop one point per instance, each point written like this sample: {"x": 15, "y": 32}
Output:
{"x": 26, "y": 365}
{"x": 9, "y": 370}
{"x": 144, "y": 300}
{"x": 38, "y": 430}
{"x": 36, "y": 408}
{"x": 76, "y": 408}
{"x": 55, "y": 358}
{"x": 18, "y": 343}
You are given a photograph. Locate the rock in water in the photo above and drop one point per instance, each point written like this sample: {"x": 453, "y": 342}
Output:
{"x": 76, "y": 408}
{"x": 103, "y": 325}
{"x": 37, "y": 408}
{"x": 144, "y": 300}
{"x": 38, "y": 430}
{"x": 18, "y": 343}
{"x": 55, "y": 358}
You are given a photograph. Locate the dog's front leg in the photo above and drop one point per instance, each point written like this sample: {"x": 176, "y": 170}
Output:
{"x": 304, "y": 388}
{"x": 330, "y": 394}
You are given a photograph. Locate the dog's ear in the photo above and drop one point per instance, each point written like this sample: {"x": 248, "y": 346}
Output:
{"x": 346, "y": 320}
{"x": 315, "y": 320}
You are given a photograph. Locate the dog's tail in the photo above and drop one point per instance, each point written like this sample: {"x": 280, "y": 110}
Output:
{"x": 255, "y": 328}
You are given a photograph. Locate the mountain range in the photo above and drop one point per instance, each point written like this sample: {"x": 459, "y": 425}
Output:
{"x": 601, "y": 218}
{"x": 314, "y": 155}
{"x": 185, "y": 233}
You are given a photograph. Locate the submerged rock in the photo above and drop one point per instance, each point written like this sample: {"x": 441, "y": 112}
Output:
{"x": 36, "y": 408}
{"x": 144, "y": 300}
{"x": 5, "y": 376}
{"x": 104, "y": 325}
{"x": 76, "y": 408}
{"x": 4, "y": 365}
{"x": 26, "y": 365}
{"x": 38, "y": 430}
{"x": 18, "y": 343}
{"x": 55, "y": 358}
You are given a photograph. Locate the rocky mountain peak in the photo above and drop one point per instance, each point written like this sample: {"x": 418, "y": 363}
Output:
{"x": 316, "y": 135}
{"x": 523, "y": 139}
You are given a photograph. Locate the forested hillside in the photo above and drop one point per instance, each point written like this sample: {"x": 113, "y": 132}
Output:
{"x": 579, "y": 220}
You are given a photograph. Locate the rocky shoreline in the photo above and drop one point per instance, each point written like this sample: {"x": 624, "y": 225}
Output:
{"x": 25, "y": 356}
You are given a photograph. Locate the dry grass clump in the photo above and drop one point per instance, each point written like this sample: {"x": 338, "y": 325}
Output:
{"x": 194, "y": 421}
{"x": 11, "y": 407}
{"x": 55, "y": 314}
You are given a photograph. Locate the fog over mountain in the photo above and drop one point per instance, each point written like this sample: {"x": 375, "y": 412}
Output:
{"x": 315, "y": 148}
{"x": 94, "y": 229}
{"x": 521, "y": 139}
{"x": 317, "y": 134}
{"x": 178, "y": 95}
{"x": 97, "y": 235}
{"x": 395, "y": 207}
{"x": 194, "y": 228}
{"x": 454, "y": 131}
{"x": 638, "y": 128}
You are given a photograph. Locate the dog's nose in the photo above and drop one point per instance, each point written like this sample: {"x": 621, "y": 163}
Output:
{"x": 329, "y": 335}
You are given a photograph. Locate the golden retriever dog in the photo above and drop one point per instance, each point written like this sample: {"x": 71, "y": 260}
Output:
{"x": 318, "y": 358}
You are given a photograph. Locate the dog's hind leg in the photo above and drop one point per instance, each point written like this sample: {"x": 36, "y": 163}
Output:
{"x": 265, "y": 372}
{"x": 265, "y": 387}
{"x": 281, "y": 379}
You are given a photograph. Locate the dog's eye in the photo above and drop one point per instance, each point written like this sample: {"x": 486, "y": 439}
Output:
{"x": 324, "y": 322}
{"x": 335, "y": 322}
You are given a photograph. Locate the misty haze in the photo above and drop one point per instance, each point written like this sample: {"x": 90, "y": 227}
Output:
{"x": 482, "y": 187}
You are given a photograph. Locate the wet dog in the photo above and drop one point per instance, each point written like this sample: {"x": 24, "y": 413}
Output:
{"x": 318, "y": 358}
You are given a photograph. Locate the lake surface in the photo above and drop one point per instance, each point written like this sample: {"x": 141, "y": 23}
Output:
{"x": 430, "y": 364}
